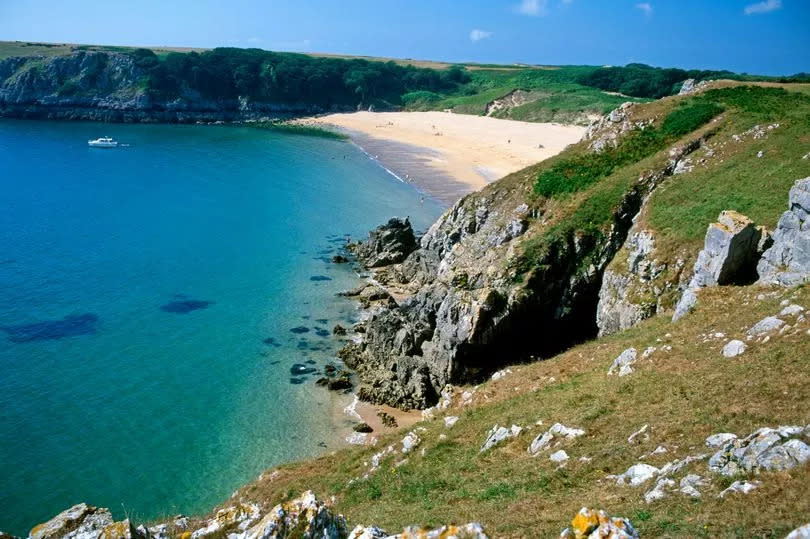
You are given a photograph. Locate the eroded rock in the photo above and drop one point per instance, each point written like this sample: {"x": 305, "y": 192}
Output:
{"x": 766, "y": 449}
{"x": 729, "y": 256}
{"x": 787, "y": 261}
{"x": 387, "y": 244}
{"x": 498, "y": 434}
{"x": 553, "y": 436}
{"x": 304, "y": 516}
{"x": 81, "y": 521}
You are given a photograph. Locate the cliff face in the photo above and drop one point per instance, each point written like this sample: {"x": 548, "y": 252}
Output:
{"x": 109, "y": 86}
{"x": 474, "y": 304}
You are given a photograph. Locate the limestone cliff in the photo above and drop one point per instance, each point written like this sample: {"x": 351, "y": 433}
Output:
{"x": 110, "y": 86}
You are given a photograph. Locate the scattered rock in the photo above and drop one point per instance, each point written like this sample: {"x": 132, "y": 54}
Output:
{"x": 720, "y": 439}
{"x": 79, "y": 521}
{"x": 787, "y": 261}
{"x": 500, "y": 374}
{"x": 729, "y": 256}
{"x": 637, "y": 474}
{"x": 639, "y": 432}
{"x": 239, "y": 516}
{"x": 559, "y": 457}
{"x": 733, "y": 348}
{"x": 304, "y": 516}
{"x": 589, "y": 523}
{"x": 690, "y": 485}
{"x": 472, "y": 530}
{"x": 450, "y": 420}
{"x": 792, "y": 310}
{"x": 357, "y": 438}
{"x": 338, "y": 330}
{"x": 659, "y": 492}
{"x": 339, "y": 259}
{"x": 362, "y": 427}
{"x": 410, "y": 442}
{"x": 766, "y": 325}
{"x": 623, "y": 364}
{"x": 498, "y": 434}
{"x": 743, "y": 487}
{"x": 558, "y": 432}
{"x": 766, "y": 449}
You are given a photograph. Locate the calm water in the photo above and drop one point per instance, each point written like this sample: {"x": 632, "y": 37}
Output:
{"x": 137, "y": 289}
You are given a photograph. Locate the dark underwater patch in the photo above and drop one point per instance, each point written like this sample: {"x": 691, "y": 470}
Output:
{"x": 300, "y": 329}
{"x": 299, "y": 370}
{"x": 320, "y": 278}
{"x": 322, "y": 320}
{"x": 70, "y": 326}
{"x": 271, "y": 341}
{"x": 320, "y": 332}
{"x": 297, "y": 381}
{"x": 184, "y": 306}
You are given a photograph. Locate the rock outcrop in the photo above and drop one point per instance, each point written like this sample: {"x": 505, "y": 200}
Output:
{"x": 766, "y": 449}
{"x": 81, "y": 521}
{"x": 471, "y": 289}
{"x": 388, "y": 244}
{"x": 592, "y": 524}
{"x": 787, "y": 262}
{"x": 729, "y": 256}
{"x": 111, "y": 86}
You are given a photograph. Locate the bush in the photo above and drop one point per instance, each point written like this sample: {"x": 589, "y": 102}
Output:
{"x": 580, "y": 171}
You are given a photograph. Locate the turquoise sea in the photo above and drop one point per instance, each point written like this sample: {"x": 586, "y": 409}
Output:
{"x": 158, "y": 303}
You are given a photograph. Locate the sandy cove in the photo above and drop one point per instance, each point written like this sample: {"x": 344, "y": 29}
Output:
{"x": 448, "y": 155}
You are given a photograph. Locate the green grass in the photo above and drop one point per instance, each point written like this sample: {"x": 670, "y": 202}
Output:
{"x": 735, "y": 178}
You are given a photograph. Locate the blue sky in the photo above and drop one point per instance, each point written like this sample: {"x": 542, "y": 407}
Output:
{"x": 767, "y": 36}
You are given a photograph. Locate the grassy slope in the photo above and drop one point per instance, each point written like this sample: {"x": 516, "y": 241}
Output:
{"x": 554, "y": 95}
{"x": 684, "y": 394}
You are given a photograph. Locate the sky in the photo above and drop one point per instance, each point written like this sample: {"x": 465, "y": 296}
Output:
{"x": 765, "y": 37}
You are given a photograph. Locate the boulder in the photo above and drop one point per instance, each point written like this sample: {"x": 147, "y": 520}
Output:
{"x": 622, "y": 365}
{"x": 589, "y": 523}
{"x": 450, "y": 420}
{"x": 637, "y": 474}
{"x": 720, "y": 439}
{"x": 729, "y": 256}
{"x": 802, "y": 532}
{"x": 303, "y": 516}
{"x": 766, "y": 449}
{"x": 690, "y": 485}
{"x": 733, "y": 348}
{"x": 410, "y": 442}
{"x": 81, "y": 521}
{"x": 498, "y": 434}
{"x": 559, "y": 457}
{"x": 766, "y": 325}
{"x": 557, "y": 432}
{"x": 787, "y": 261}
{"x": 388, "y": 244}
{"x": 741, "y": 487}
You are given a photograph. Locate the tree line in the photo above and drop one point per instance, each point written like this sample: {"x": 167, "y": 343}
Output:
{"x": 228, "y": 73}
{"x": 641, "y": 80}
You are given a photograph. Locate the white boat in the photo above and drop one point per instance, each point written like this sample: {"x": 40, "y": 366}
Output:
{"x": 103, "y": 142}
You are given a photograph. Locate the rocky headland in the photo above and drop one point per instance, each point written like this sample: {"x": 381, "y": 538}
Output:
{"x": 111, "y": 87}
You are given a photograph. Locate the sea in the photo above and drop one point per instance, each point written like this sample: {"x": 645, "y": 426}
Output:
{"x": 166, "y": 307}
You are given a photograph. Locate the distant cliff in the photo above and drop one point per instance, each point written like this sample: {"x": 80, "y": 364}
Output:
{"x": 219, "y": 84}
{"x": 109, "y": 86}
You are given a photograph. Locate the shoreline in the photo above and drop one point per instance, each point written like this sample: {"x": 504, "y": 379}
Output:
{"x": 447, "y": 155}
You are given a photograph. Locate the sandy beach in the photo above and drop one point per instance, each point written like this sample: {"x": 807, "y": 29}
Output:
{"x": 449, "y": 155}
